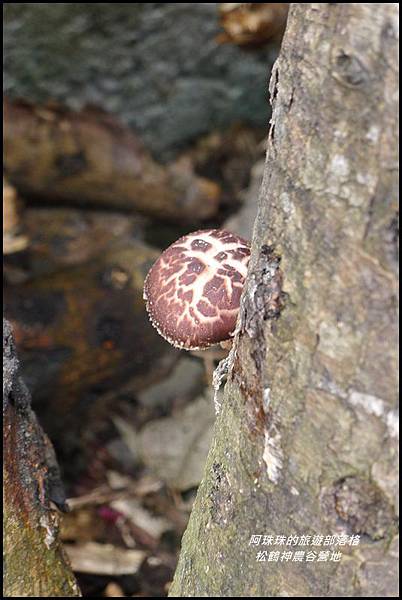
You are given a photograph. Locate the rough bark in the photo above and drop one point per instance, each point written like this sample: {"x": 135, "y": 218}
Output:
{"x": 34, "y": 563}
{"x": 306, "y": 439}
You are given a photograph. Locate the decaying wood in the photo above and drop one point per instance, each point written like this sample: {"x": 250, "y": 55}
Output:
{"x": 34, "y": 563}
{"x": 61, "y": 237}
{"x": 81, "y": 332}
{"x": 88, "y": 158}
{"x": 306, "y": 441}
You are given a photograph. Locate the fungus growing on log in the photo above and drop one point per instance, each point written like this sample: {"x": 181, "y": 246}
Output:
{"x": 193, "y": 290}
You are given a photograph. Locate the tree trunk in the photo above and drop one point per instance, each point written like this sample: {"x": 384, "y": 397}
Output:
{"x": 33, "y": 560}
{"x": 305, "y": 443}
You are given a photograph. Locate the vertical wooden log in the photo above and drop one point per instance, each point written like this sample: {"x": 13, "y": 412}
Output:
{"x": 306, "y": 443}
{"x": 34, "y": 563}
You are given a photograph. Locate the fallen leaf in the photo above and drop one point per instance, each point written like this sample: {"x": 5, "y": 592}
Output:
{"x": 176, "y": 447}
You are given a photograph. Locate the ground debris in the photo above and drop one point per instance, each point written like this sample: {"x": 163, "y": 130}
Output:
{"x": 252, "y": 24}
{"x": 104, "y": 559}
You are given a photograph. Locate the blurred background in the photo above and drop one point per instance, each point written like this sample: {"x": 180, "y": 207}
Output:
{"x": 125, "y": 127}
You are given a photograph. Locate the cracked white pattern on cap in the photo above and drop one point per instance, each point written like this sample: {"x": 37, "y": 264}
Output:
{"x": 193, "y": 290}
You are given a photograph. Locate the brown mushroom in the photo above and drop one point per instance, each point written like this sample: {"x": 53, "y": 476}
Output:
{"x": 193, "y": 290}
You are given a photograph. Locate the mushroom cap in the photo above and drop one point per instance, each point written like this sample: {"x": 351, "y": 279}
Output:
{"x": 193, "y": 290}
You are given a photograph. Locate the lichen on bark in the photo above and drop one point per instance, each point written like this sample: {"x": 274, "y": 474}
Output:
{"x": 306, "y": 441}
